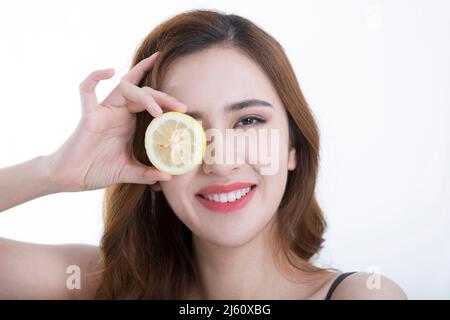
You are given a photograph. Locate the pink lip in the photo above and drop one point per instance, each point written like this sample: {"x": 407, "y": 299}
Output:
{"x": 227, "y": 206}
{"x": 220, "y": 188}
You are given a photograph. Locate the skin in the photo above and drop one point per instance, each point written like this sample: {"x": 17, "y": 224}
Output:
{"x": 233, "y": 251}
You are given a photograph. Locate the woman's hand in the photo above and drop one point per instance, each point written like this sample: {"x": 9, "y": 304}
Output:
{"x": 98, "y": 153}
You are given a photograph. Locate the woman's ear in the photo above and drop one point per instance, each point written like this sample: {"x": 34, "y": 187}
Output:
{"x": 155, "y": 187}
{"x": 292, "y": 160}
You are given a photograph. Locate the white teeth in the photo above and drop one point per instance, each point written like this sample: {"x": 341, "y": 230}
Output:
{"x": 223, "y": 198}
{"x": 231, "y": 197}
{"x": 228, "y": 197}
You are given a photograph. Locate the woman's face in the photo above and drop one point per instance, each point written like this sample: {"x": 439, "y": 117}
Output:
{"x": 207, "y": 82}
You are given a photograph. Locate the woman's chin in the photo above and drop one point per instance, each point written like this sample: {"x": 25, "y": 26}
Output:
{"x": 232, "y": 239}
{"x": 232, "y": 233}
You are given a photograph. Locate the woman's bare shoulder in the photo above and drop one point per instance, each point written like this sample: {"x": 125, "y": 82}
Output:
{"x": 368, "y": 286}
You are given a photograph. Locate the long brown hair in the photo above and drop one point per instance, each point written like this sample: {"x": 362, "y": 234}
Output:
{"x": 146, "y": 249}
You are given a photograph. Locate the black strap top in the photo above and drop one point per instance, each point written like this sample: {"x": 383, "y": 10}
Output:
{"x": 336, "y": 283}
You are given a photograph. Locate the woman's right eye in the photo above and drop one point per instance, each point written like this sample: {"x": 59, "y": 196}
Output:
{"x": 249, "y": 120}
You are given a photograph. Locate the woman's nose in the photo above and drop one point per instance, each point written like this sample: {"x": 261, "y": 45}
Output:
{"x": 222, "y": 170}
{"x": 221, "y": 157}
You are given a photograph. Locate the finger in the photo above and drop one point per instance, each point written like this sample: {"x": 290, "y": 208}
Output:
{"x": 156, "y": 187}
{"x": 135, "y": 99}
{"x": 87, "y": 88}
{"x": 136, "y": 172}
{"x": 138, "y": 72}
{"x": 167, "y": 101}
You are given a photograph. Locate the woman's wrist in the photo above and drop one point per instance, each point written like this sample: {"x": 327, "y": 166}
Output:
{"x": 26, "y": 181}
{"x": 45, "y": 173}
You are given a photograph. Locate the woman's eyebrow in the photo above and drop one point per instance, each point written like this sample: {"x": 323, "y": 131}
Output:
{"x": 235, "y": 106}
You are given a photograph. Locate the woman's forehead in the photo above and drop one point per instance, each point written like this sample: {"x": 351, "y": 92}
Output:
{"x": 216, "y": 76}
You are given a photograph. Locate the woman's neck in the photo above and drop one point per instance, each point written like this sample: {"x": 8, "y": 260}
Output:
{"x": 245, "y": 272}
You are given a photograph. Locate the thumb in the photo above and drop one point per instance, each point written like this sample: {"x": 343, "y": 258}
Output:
{"x": 136, "y": 172}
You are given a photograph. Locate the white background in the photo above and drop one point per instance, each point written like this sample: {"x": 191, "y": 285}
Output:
{"x": 376, "y": 74}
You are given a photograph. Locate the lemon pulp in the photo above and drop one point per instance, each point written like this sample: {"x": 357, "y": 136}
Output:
{"x": 175, "y": 143}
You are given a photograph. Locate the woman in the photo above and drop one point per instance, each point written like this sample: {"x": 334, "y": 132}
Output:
{"x": 162, "y": 240}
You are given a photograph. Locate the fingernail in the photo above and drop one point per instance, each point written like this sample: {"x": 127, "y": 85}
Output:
{"x": 182, "y": 106}
{"x": 156, "y": 110}
{"x": 166, "y": 177}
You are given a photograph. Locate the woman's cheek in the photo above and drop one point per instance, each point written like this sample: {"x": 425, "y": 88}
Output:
{"x": 180, "y": 194}
{"x": 171, "y": 190}
{"x": 266, "y": 151}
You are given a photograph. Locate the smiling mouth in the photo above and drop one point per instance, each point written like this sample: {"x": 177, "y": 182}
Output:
{"x": 228, "y": 197}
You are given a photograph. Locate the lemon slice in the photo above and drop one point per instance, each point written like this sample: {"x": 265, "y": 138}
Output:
{"x": 175, "y": 143}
